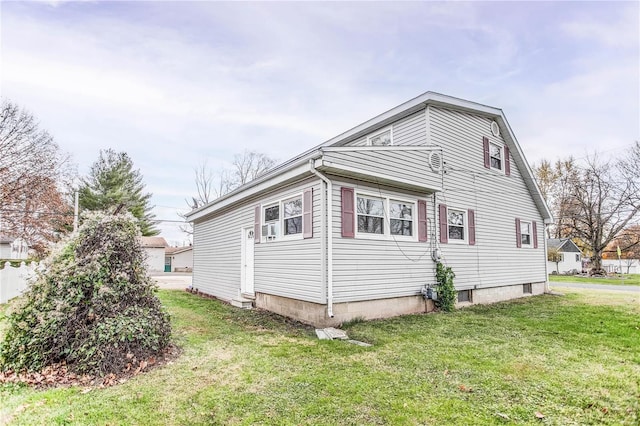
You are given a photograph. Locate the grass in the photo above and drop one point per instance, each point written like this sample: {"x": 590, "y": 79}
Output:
{"x": 630, "y": 279}
{"x": 575, "y": 359}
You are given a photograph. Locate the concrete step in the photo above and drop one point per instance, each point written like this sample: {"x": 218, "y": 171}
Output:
{"x": 241, "y": 302}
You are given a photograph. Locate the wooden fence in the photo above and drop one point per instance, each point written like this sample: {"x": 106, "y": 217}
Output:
{"x": 15, "y": 280}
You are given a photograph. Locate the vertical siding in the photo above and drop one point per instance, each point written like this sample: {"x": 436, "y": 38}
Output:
{"x": 366, "y": 269}
{"x": 283, "y": 268}
{"x": 497, "y": 200}
{"x": 410, "y": 130}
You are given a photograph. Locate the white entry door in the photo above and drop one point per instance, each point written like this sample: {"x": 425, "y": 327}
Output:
{"x": 248, "y": 237}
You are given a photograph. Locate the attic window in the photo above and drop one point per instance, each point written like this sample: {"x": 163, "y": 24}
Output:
{"x": 382, "y": 138}
{"x": 495, "y": 129}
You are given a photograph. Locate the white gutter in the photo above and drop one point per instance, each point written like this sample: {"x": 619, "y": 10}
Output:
{"x": 546, "y": 262}
{"x": 327, "y": 213}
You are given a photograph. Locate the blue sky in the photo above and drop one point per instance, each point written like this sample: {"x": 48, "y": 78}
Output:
{"x": 175, "y": 83}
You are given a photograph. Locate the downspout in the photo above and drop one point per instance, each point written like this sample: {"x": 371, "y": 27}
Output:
{"x": 327, "y": 217}
{"x": 546, "y": 261}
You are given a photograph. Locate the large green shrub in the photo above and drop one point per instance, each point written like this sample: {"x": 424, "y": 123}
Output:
{"x": 446, "y": 290}
{"x": 92, "y": 305}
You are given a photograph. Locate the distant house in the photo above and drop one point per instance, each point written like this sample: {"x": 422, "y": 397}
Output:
{"x": 178, "y": 259}
{"x": 354, "y": 227}
{"x": 13, "y": 248}
{"x": 154, "y": 247}
{"x": 570, "y": 256}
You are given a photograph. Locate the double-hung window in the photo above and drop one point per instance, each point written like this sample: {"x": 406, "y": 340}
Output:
{"x": 271, "y": 222}
{"x": 370, "y": 215}
{"x": 495, "y": 154}
{"x": 292, "y": 209}
{"x": 456, "y": 225}
{"x": 525, "y": 233}
{"x": 401, "y": 218}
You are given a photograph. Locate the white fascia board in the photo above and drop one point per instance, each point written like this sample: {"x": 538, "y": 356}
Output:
{"x": 253, "y": 188}
{"x": 354, "y": 172}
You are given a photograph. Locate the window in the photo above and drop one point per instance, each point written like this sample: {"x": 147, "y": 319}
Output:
{"x": 464, "y": 296}
{"x": 292, "y": 216}
{"x": 526, "y": 288}
{"x": 495, "y": 153}
{"x": 456, "y": 225}
{"x": 577, "y": 258}
{"x": 401, "y": 214}
{"x": 271, "y": 227}
{"x": 561, "y": 257}
{"x": 383, "y": 138}
{"x": 525, "y": 233}
{"x": 284, "y": 215}
{"x": 370, "y": 215}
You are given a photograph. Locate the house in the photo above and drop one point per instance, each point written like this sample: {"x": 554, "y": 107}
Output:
{"x": 13, "y": 248}
{"x": 154, "y": 248}
{"x": 178, "y": 259}
{"x": 570, "y": 256}
{"x": 354, "y": 227}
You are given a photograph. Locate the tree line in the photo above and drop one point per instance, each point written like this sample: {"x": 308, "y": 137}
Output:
{"x": 595, "y": 202}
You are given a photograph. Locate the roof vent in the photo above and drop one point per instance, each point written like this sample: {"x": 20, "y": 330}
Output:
{"x": 495, "y": 129}
{"x": 435, "y": 161}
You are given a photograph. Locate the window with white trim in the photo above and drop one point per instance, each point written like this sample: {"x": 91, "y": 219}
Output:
{"x": 292, "y": 210}
{"x": 456, "y": 225}
{"x": 400, "y": 218}
{"x": 370, "y": 214}
{"x": 495, "y": 156}
{"x": 525, "y": 233}
{"x": 381, "y": 138}
{"x": 282, "y": 218}
{"x": 577, "y": 258}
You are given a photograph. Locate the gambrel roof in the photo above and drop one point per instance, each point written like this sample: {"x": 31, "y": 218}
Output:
{"x": 293, "y": 168}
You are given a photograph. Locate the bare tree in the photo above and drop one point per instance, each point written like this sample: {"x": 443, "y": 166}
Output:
{"x": 602, "y": 202}
{"x": 209, "y": 185}
{"x": 554, "y": 255}
{"x": 556, "y": 183}
{"x": 250, "y": 165}
{"x": 34, "y": 173}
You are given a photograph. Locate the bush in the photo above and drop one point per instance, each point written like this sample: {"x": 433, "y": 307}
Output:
{"x": 446, "y": 290}
{"x": 92, "y": 306}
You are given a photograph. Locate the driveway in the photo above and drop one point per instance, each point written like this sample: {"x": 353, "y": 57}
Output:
{"x": 172, "y": 280}
{"x": 629, "y": 288}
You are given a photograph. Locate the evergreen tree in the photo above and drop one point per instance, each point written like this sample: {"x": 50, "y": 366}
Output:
{"x": 112, "y": 182}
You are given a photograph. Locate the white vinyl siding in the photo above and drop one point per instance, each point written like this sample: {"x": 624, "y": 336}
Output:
{"x": 410, "y": 130}
{"x": 286, "y": 267}
{"x": 496, "y": 199}
{"x": 366, "y": 269}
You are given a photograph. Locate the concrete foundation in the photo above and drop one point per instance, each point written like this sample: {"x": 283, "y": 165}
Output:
{"x": 316, "y": 314}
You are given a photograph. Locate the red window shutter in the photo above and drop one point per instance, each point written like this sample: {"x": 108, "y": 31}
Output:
{"x": 348, "y": 213}
{"x": 444, "y": 231}
{"x": 507, "y": 162}
{"x": 534, "y": 230}
{"x": 485, "y": 147}
{"x": 256, "y": 225}
{"x": 422, "y": 221}
{"x": 307, "y": 213}
{"x": 472, "y": 227}
{"x": 518, "y": 234}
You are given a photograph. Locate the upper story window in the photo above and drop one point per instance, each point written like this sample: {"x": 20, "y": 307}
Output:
{"x": 370, "y": 215}
{"x": 456, "y": 225}
{"x": 525, "y": 233}
{"x": 495, "y": 152}
{"x": 381, "y": 138}
{"x": 401, "y": 218}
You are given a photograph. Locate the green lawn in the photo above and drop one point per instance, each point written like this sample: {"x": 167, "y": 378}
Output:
{"x": 575, "y": 359}
{"x": 630, "y": 279}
